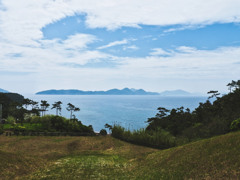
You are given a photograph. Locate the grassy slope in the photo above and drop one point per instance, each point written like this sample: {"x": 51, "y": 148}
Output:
{"x": 108, "y": 158}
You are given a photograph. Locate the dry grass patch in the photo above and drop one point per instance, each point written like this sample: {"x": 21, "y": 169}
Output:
{"x": 109, "y": 158}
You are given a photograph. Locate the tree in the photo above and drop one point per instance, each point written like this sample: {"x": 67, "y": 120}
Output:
{"x": 72, "y": 109}
{"x": 214, "y": 94}
{"x": 44, "y": 105}
{"x": 162, "y": 112}
{"x": 26, "y": 103}
{"x": 57, "y": 106}
{"x": 232, "y": 85}
{"x": 238, "y": 84}
{"x": 34, "y": 104}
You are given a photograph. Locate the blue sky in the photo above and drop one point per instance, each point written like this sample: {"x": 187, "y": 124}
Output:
{"x": 147, "y": 37}
{"x": 92, "y": 45}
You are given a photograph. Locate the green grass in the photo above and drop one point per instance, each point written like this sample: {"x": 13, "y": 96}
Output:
{"x": 109, "y": 158}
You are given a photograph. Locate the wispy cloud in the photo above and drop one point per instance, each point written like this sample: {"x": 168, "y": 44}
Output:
{"x": 159, "y": 52}
{"x": 115, "y": 43}
{"x": 132, "y": 47}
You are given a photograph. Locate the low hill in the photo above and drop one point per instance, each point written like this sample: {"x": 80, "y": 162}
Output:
{"x": 125, "y": 91}
{"x": 108, "y": 158}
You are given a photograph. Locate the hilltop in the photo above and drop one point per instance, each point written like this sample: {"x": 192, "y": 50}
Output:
{"x": 108, "y": 158}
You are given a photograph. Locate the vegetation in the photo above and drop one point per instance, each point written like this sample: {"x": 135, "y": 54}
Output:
{"x": 22, "y": 116}
{"x": 158, "y": 139}
{"x": 11, "y": 102}
{"x": 103, "y": 157}
{"x": 180, "y": 125}
{"x": 49, "y": 123}
{"x": 103, "y": 132}
{"x": 57, "y": 106}
{"x": 72, "y": 109}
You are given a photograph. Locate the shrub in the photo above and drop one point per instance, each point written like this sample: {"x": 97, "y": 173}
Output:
{"x": 10, "y": 120}
{"x": 235, "y": 125}
{"x": 52, "y": 123}
{"x": 158, "y": 138}
{"x": 103, "y": 132}
{"x": 117, "y": 131}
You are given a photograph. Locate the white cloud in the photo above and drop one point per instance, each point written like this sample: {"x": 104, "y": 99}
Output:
{"x": 20, "y": 34}
{"x": 50, "y": 54}
{"x": 113, "y": 14}
{"x": 186, "y": 49}
{"x": 21, "y": 21}
{"x": 195, "y": 67}
{"x": 132, "y": 47}
{"x": 187, "y": 64}
{"x": 78, "y": 41}
{"x": 115, "y": 43}
{"x": 159, "y": 52}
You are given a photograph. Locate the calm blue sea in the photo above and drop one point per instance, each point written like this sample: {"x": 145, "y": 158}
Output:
{"x": 129, "y": 111}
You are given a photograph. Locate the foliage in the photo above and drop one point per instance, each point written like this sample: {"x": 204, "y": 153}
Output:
{"x": 180, "y": 125}
{"x": 72, "y": 109}
{"x": 18, "y": 128}
{"x": 44, "y": 106}
{"x": 10, "y": 120}
{"x": 52, "y": 123}
{"x": 10, "y": 102}
{"x": 103, "y": 132}
{"x": 207, "y": 120}
{"x": 158, "y": 138}
{"x": 235, "y": 125}
{"x": 57, "y": 106}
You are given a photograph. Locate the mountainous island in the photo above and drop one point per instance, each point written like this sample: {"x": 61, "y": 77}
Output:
{"x": 125, "y": 91}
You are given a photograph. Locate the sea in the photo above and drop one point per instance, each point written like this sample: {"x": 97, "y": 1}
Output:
{"x": 129, "y": 111}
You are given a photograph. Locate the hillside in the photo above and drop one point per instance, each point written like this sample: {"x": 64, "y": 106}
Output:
{"x": 109, "y": 158}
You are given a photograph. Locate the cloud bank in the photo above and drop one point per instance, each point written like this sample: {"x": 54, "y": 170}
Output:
{"x": 23, "y": 48}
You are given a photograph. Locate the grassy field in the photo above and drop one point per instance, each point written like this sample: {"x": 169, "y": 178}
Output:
{"x": 109, "y": 158}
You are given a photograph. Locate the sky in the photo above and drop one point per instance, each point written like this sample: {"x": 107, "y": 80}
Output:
{"x": 155, "y": 45}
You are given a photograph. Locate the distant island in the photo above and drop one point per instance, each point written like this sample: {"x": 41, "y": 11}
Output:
{"x": 177, "y": 92}
{"x": 125, "y": 91}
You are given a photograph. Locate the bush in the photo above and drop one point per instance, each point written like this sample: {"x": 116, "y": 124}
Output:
{"x": 10, "y": 120}
{"x": 159, "y": 138}
{"x": 103, "y": 132}
{"x": 52, "y": 123}
{"x": 235, "y": 125}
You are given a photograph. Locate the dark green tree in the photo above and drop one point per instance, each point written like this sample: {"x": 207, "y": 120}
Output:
{"x": 44, "y": 105}
{"x": 26, "y": 103}
{"x": 72, "y": 109}
{"x": 57, "y": 106}
{"x": 213, "y": 94}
